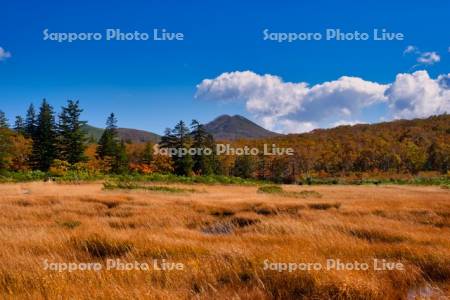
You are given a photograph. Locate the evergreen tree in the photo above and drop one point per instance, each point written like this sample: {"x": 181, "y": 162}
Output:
{"x": 168, "y": 140}
{"x": 107, "y": 145}
{"x": 201, "y": 139}
{"x": 72, "y": 138}
{"x": 19, "y": 125}
{"x": 5, "y": 147}
{"x": 110, "y": 147}
{"x": 30, "y": 122}
{"x": 120, "y": 161}
{"x": 179, "y": 138}
{"x": 3, "y": 120}
{"x": 44, "y": 141}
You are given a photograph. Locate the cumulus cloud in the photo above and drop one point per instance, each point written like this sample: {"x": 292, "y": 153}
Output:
{"x": 264, "y": 94}
{"x": 278, "y": 105}
{"x": 4, "y": 54}
{"x": 291, "y": 107}
{"x": 428, "y": 58}
{"x": 293, "y": 126}
{"x": 417, "y": 95}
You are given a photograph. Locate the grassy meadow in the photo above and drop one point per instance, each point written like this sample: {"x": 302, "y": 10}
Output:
{"x": 223, "y": 236}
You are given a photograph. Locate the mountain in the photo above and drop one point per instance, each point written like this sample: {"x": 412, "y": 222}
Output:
{"x": 126, "y": 134}
{"x": 137, "y": 136}
{"x": 235, "y": 127}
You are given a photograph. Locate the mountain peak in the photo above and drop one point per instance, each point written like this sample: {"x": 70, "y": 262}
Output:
{"x": 226, "y": 127}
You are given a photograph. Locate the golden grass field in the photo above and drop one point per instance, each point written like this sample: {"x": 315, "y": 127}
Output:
{"x": 222, "y": 235}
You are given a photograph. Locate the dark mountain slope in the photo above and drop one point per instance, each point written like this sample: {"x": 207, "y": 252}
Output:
{"x": 235, "y": 127}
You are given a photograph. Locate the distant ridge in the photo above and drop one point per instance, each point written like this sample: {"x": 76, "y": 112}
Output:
{"x": 235, "y": 127}
{"x": 126, "y": 134}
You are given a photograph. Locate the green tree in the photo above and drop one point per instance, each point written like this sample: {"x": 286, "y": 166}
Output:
{"x": 179, "y": 138}
{"x": 3, "y": 120}
{"x": 30, "y": 122}
{"x": 5, "y": 147}
{"x": 111, "y": 148}
{"x": 19, "y": 125}
{"x": 72, "y": 138}
{"x": 107, "y": 145}
{"x": 183, "y": 163}
{"x": 44, "y": 141}
{"x": 201, "y": 139}
{"x": 120, "y": 160}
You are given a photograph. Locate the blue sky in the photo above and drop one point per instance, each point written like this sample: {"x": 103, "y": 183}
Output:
{"x": 151, "y": 84}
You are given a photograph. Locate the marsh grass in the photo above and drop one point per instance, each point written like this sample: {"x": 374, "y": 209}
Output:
{"x": 99, "y": 246}
{"x": 324, "y": 206}
{"x": 130, "y": 185}
{"x": 223, "y": 237}
{"x": 70, "y": 224}
{"x": 278, "y": 190}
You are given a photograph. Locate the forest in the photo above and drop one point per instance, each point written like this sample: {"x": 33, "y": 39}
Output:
{"x": 44, "y": 142}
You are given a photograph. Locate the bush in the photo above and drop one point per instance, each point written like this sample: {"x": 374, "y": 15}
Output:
{"x": 270, "y": 189}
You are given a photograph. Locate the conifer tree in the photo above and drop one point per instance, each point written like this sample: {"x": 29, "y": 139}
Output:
{"x": 111, "y": 147}
{"x": 44, "y": 140}
{"x": 3, "y": 120}
{"x": 19, "y": 125}
{"x": 30, "y": 122}
{"x": 107, "y": 145}
{"x": 179, "y": 138}
{"x": 72, "y": 139}
{"x": 201, "y": 139}
{"x": 120, "y": 161}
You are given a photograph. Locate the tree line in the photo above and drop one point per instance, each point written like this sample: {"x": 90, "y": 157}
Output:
{"x": 41, "y": 140}
{"x": 46, "y": 141}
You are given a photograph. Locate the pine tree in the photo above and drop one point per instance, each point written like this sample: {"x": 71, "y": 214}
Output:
{"x": 72, "y": 138}
{"x": 5, "y": 147}
{"x": 179, "y": 138}
{"x": 107, "y": 145}
{"x": 201, "y": 139}
{"x": 3, "y": 120}
{"x": 44, "y": 141}
{"x": 120, "y": 161}
{"x": 19, "y": 125}
{"x": 30, "y": 122}
{"x": 110, "y": 147}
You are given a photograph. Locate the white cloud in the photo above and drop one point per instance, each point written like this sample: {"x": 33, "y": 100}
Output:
{"x": 293, "y": 126}
{"x": 291, "y": 107}
{"x": 417, "y": 95}
{"x": 410, "y": 49}
{"x": 428, "y": 58}
{"x": 277, "y": 105}
{"x": 4, "y": 54}
{"x": 264, "y": 94}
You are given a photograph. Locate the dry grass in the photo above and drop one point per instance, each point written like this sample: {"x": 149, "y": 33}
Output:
{"x": 223, "y": 236}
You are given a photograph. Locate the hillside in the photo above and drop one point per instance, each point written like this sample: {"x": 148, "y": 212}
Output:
{"x": 398, "y": 146}
{"x": 126, "y": 134}
{"x": 235, "y": 127}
